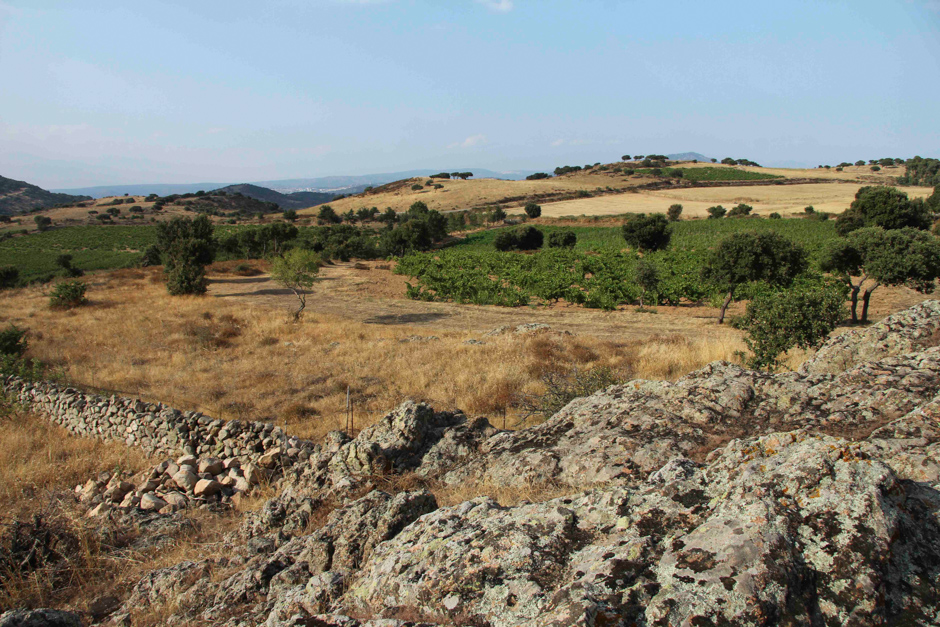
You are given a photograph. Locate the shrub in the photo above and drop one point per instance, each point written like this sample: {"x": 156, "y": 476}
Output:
{"x": 647, "y": 278}
{"x": 563, "y": 387}
{"x": 538, "y": 176}
{"x": 68, "y": 294}
{"x": 533, "y": 210}
{"x": 13, "y": 341}
{"x": 9, "y": 277}
{"x": 809, "y": 210}
{"x": 328, "y": 215}
{"x": 497, "y": 215}
{"x": 42, "y": 222}
{"x": 716, "y": 212}
{"x": 775, "y": 216}
{"x": 525, "y": 238}
{"x": 776, "y": 322}
{"x": 562, "y": 239}
{"x": 674, "y": 212}
{"x": 647, "y": 233}
{"x": 290, "y": 215}
{"x": 417, "y": 187}
{"x": 740, "y": 210}
{"x": 875, "y": 168}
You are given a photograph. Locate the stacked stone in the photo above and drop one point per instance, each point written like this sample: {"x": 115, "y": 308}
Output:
{"x": 173, "y": 485}
{"x": 157, "y": 428}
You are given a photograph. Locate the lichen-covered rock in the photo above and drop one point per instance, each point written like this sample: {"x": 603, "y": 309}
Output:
{"x": 787, "y": 525}
{"x": 40, "y": 618}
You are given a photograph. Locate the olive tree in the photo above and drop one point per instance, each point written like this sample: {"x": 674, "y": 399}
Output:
{"x": 296, "y": 270}
{"x": 879, "y": 257}
{"x": 647, "y": 232}
{"x": 887, "y": 207}
{"x": 745, "y": 257}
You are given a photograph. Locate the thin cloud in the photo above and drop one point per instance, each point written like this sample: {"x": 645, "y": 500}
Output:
{"x": 500, "y": 6}
{"x": 470, "y": 142}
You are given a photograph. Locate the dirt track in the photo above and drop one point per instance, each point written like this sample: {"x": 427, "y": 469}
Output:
{"x": 372, "y": 294}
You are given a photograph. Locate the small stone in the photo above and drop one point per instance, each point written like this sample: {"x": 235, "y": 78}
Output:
{"x": 211, "y": 465}
{"x": 207, "y": 488}
{"x": 188, "y": 460}
{"x": 151, "y": 501}
{"x": 186, "y": 479}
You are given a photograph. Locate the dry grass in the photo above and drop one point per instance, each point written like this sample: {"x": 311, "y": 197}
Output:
{"x": 38, "y": 460}
{"x": 236, "y": 360}
{"x": 784, "y": 199}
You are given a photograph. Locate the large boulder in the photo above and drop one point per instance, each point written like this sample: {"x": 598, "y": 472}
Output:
{"x": 40, "y": 618}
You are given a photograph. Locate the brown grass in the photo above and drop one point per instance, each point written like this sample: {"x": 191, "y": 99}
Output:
{"x": 233, "y": 359}
{"x": 40, "y": 464}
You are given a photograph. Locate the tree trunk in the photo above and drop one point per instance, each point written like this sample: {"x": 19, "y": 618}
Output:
{"x": 724, "y": 306}
{"x": 866, "y": 297}
{"x": 855, "y": 289}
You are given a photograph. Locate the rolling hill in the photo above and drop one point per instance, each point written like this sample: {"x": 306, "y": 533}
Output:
{"x": 20, "y": 197}
{"x": 295, "y": 200}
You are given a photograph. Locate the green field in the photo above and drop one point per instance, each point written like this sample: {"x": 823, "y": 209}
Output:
{"x": 598, "y": 272}
{"x": 713, "y": 174}
{"x": 91, "y": 247}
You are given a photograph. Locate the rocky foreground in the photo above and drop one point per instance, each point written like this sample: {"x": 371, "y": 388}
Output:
{"x": 729, "y": 497}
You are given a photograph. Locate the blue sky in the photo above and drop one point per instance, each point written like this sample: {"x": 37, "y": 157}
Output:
{"x": 110, "y": 92}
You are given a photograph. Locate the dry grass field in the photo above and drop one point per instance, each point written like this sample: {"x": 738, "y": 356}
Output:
{"x": 766, "y": 199}
{"x": 238, "y": 357}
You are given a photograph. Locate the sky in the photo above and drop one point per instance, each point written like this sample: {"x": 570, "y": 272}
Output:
{"x": 114, "y": 92}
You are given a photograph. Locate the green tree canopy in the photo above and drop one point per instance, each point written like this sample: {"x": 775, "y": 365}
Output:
{"x": 647, "y": 232}
{"x": 296, "y": 270}
{"x": 745, "y": 257}
{"x": 887, "y": 207}
{"x": 879, "y": 257}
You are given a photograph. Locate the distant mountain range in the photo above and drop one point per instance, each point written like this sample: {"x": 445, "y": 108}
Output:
{"x": 295, "y": 200}
{"x": 20, "y": 197}
{"x": 325, "y": 184}
{"x": 689, "y": 156}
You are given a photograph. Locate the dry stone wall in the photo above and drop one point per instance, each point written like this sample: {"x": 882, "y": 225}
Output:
{"x": 157, "y": 428}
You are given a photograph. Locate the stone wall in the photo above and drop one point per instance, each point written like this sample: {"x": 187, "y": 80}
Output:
{"x": 155, "y": 427}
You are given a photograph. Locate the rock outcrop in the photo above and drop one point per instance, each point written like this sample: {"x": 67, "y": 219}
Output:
{"x": 729, "y": 497}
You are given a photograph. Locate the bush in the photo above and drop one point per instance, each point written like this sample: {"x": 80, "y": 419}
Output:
{"x": 328, "y": 215}
{"x": 647, "y": 233}
{"x": 42, "y": 222}
{"x": 533, "y": 210}
{"x": 538, "y": 176}
{"x": 809, "y": 210}
{"x": 775, "y": 216}
{"x": 68, "y": 294}
{"x": 875, "y": 168}
{"x": 525, "y": 238}
{"x": 802, "y": 317}
{"x": 417, "y": 187}
{"x": 562, "y": 239}
{"x": 68, "y": 270}
{"x": 674, "y": 212}
{"x": 290, "y": 215}
{"x": 647, "y": 278}
{"x": 740, "y": 210}
{"x": 497, "y": 215}
{"x": 563, "y": 387}
{"x": 716, "y": 212}
{"x": 13, "y": 341}
{"x": 9, "y": 277}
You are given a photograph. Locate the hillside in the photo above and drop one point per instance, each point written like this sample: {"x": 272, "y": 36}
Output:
{"x": 20, "y": 197}
{"x": 295, "y": 200}
{"x": 616, "y": 188}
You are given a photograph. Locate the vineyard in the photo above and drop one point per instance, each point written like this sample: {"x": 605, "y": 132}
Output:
{"x": 597, "y": 273}
{"x": 712, "y": 174}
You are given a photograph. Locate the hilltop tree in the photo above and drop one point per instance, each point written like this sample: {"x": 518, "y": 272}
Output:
{"x": 879, "y": 257}
{"x": 745, "y": 257}
{"x": 886, "y": 207}
{"x": 647, "y": 233}
{"x": 297, "y": 270}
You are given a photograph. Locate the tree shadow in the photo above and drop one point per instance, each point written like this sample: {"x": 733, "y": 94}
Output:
{"x": 267, "y": 292}
{"x": 412, "y": 318}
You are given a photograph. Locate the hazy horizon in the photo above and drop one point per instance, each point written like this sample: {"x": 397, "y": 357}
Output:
{"x": 177, "y": 93}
